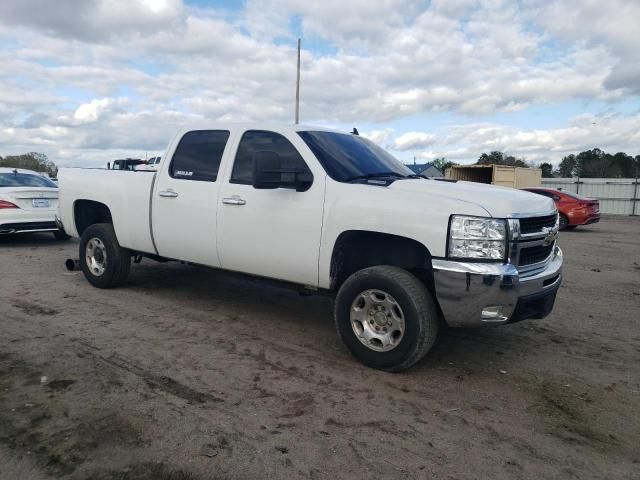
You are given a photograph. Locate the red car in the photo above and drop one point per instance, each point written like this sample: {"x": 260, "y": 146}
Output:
{"x": 574, "y": 209}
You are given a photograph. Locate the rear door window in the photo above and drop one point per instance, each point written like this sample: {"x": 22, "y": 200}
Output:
{"x": 198, "y": 155}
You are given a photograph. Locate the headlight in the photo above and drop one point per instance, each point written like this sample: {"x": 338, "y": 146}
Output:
{"x": 477, "y": 238}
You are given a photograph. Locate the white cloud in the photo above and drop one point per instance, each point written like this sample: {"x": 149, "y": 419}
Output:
{"x": 413, "y": 141}
{"x": 379, "y": 136}
{"x": 611, "y": 133}
{"x": 92, "y": 20}
{"x": 116, "y": 74}
{"x": 89, "y": 112}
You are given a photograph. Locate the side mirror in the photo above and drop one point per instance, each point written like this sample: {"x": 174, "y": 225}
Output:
{"x": 267, "y": 170}
{"x": 268, "y": 173}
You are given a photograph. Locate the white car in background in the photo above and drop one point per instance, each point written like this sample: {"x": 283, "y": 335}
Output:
{"x": 28, "y": 203}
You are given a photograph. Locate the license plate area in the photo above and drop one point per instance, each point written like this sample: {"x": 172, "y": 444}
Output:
{"x": 40, "y": 203}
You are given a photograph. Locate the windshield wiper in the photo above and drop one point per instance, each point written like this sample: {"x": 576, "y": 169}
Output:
{"x": 417, "y": 175}
{"x": 375, "y": 175}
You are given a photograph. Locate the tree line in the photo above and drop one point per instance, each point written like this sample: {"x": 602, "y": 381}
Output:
{"x": 588, "y": 164}
{"x": 30, "y": 161}
{"x": 597, "y": 164}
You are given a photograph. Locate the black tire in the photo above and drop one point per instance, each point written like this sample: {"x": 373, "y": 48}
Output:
{"x": 118, "y": 259}
{"x": 418, "y": 308}
{"x": 563, "y": 222}
{"x": 61, "y": 235}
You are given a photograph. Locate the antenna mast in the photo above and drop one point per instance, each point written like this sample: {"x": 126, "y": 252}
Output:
{"x": 298, "y": 87}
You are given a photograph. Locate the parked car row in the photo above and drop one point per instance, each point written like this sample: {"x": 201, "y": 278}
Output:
{"x": 321, "y": 209}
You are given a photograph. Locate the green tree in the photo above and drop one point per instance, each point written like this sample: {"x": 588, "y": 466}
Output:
{"x": 499, "y": 158}
{"x": 30, "y": 161}
{"x": 567, "y": 167}
{"x": 547, "y": 169}
{"x": 442, "y": 164}
{"x": 595, "y": 164}
{"x": 625, "y": 164}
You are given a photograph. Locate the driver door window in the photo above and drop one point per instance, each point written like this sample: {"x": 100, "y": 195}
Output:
{"x": 254, "y": 141}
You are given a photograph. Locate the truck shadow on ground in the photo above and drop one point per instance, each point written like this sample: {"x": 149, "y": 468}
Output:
{"x": 269, "y": 305}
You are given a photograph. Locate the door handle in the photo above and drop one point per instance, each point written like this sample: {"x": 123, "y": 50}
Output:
{"x": 168, "y": 193}
{"x": 235, "y": 200}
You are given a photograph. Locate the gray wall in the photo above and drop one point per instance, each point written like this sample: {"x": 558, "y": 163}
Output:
{"x": 616, "y": 195}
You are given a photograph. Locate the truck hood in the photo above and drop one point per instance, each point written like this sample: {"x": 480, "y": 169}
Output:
{"x": 499, "y": 202}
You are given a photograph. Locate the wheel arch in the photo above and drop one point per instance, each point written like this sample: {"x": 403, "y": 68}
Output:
{"x": 354, "y": 250}
{"x": 89, "y": 212}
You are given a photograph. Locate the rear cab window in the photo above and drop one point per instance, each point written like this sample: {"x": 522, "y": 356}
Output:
{"x": 198, "y": 155}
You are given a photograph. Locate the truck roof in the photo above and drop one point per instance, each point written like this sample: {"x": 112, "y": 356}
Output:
{"x": 278, "y": 127}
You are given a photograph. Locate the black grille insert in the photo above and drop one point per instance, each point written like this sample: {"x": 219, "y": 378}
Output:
{"x": 531, "y": 255}
{"x": 536, "y": 224}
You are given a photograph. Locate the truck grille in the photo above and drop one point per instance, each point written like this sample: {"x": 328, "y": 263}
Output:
{"x": 537, "y": 254}
{"x": 536, "y": 224}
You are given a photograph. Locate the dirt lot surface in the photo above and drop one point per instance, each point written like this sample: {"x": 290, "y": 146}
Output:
{"x": 188, "y": 373}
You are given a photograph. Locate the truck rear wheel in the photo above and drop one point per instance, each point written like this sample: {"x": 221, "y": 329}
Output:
{"x": 104, "y": 262}
{"x": 386, "y": 318}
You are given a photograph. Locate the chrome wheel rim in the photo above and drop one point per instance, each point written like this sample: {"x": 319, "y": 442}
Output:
{"x": 377, "y": 320}
{"x": 96, "y": 256}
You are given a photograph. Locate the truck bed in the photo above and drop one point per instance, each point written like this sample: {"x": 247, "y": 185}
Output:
{"x": 127, "y": 193}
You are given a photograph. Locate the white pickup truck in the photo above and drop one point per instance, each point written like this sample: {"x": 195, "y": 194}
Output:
{"x": 328, "y": 211}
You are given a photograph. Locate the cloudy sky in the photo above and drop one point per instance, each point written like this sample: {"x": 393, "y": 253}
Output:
{"x": 89, "y": 80}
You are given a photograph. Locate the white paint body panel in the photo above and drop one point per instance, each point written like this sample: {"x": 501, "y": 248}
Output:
{"x": 125, "y": 192}
{"x": 279, "y": 233}
{"x": 185, "y": 227}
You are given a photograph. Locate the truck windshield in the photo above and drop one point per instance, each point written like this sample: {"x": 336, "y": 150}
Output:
{"x": 348, "y": 157}
{"x": 25, "y": 180}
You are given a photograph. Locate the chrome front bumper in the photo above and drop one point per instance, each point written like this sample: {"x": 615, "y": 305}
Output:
{"x": 475, "y": 294}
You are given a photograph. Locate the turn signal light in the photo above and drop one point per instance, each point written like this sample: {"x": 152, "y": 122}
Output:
{"x": 5, "y": 204}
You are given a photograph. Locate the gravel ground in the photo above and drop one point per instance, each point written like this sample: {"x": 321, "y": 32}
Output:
{"x": 188, "y": 373}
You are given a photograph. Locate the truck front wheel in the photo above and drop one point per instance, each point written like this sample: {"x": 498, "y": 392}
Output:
{"x": 104, "y": 262}
{"x": 386, "y": 317}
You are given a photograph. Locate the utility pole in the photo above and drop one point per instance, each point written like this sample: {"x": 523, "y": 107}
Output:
{"x": 298, "y": 87}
